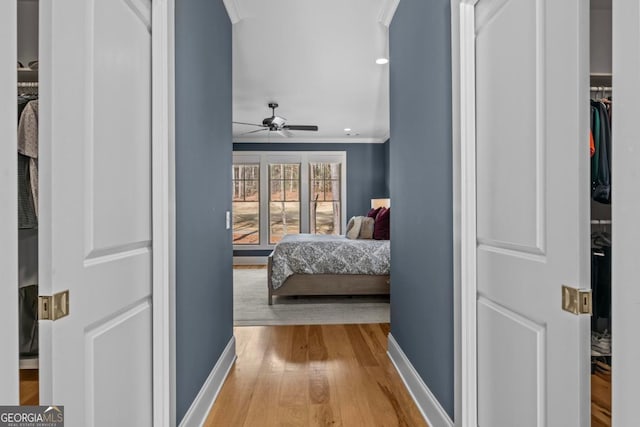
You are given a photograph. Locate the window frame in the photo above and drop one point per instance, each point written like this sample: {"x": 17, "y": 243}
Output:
{"x": 243, "y": 180}
{"x": 305, "y": 158}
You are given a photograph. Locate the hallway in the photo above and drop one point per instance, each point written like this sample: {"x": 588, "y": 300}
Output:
{"x": 313, "y": 375}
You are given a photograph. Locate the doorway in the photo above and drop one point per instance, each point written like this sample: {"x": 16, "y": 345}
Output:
{"x": 607, "y": 219}
{"x": 63, "y": 250}
{"x": 27, "y": 157}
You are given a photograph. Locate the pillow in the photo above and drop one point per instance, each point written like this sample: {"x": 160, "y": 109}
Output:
{"x": 373, "y": 213}
{"x": 367, "y": 227}
{"x": 382, "y": 226}
{"x": 353, "y": 227}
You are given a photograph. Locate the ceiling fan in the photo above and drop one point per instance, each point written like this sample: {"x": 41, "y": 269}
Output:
{"x": 277, "y": 124}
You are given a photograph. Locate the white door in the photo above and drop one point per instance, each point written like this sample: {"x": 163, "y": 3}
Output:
{"x": 532, "y": 183}
{"x": 95, "y": 205}
{"x": 625, "y": 212}
{"x": 9, "y": 205}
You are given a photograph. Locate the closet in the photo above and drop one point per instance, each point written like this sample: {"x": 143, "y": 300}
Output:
{"x": 27, "y": 158}
{"x": 602, "y": 112}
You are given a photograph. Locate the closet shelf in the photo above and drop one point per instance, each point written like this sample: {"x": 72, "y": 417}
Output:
{"x": 27, "y": 75}
{"x": 601, "y": 222}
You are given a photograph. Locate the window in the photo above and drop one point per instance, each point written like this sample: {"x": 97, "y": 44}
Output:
{"x": 324, "y": 209}
{"x": 286, "y": 192}
{"x": 246, "y": 204}
{"x": 284, "y": 200}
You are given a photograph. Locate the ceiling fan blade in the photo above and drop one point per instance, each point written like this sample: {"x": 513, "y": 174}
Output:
{"x": 285, "y": 132}
{"x": 254, "y": 131}
{"x": 250, "y": 124}
{"x": 300, "y": 127}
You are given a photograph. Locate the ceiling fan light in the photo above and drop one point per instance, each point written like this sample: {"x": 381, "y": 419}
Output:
{"x": 382, "y": 61}
{"x": 278, "y": 121}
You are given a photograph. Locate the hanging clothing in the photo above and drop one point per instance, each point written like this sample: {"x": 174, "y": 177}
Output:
{"x": 26, "y": 210}
{"x": 28, "y": 320}
{"x": 28, "y": 146}
{"x": 601, "y": 288}
{"x": 601, "y": 160}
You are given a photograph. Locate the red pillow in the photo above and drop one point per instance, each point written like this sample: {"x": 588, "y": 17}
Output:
{"x": 382, "y": 227}
{"x": 373, "y": 213}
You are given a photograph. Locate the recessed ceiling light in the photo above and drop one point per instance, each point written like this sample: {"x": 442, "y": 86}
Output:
{"x": 347, "y": 129}
{"x": 382, "y": 61}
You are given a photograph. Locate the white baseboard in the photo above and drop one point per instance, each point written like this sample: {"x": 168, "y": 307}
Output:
{"x": 197, "y": 413}
{"x": 249, "y": 260}
{"x": 431, "y": 410}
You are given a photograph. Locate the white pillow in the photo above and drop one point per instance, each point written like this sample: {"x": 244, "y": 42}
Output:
{"x": 353, "y": 227}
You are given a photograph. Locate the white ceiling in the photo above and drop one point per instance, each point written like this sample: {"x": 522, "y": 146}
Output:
{"x": 316, "y": 59}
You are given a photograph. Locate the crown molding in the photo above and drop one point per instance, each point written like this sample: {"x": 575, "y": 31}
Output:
{"x": 233, "y": 10}
{"x": 387, "y": 11}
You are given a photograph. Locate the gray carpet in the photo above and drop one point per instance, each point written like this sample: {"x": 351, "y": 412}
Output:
{"x": 250, "y": 306}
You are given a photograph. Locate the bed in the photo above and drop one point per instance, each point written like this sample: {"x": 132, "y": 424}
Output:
{"x": 312, "y": 264}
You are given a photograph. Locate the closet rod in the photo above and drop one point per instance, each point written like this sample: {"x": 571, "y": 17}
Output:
{"x": 601, "y": 221}
{"x": 600, "y": 89}
{"x": 27, "y": 84}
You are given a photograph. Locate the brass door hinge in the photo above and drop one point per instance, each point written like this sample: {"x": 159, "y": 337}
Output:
{"x": 576, "y": 301}
{"x": 53, "y": 307}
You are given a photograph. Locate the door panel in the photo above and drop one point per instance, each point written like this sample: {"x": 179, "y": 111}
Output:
{"x": 9, "y": 352}
{"x": 508, "y": 66}
{"x": 96, "y": 219}
{"x": 121, "y": 115}
{"x": 625, "y": 211}
{"x": 532, "y": 211}
{"x": 519, "y": 357}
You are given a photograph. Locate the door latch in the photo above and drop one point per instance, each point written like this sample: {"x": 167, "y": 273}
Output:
{"x": 576, "y": 301}
{"x": 53, "y": 307}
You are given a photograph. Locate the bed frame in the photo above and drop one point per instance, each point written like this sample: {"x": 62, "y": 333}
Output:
{"x": 328, "y": 284}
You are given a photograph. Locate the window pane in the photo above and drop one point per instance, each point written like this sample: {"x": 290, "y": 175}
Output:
{"x": 291, "y": 190}
{"x": 332, "y": 190}
{"x": 291, "y": 171}
{"x": 246, "y": 206}
{"x": 252, "y": 172}
{"x": 276, "y": 191}
{"x": 284, "y": 218}
{"x": 275, "y": 171}
{"x": 252, "y": 191}
{"x": 317, "y": 191}
{"x": 238, "y": 191}
{"x": 316, "y": 171}
{"x": 246, "y": 223}
{"x": 237, "y": 172}
{"x": 325, "y": 218}
{"x": 334, "y": 171}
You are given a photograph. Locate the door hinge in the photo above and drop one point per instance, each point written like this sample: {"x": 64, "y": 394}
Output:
{"x": 53, "y": 307}
{"x": 576, "y": 301}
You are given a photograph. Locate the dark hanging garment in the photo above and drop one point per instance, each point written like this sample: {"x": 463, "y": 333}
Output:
{"x": 601, "y": 288}
{"x": 601, "y": 185}
{"x": 28, "y": 321}
{"x": 26, "y": 208}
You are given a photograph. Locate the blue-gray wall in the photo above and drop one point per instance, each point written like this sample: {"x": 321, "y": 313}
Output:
{"x": 421, "y": 185}
{"x": 387, "y": 166}
{"x": 366, "y": 172}
{"x": 204, "y": 318}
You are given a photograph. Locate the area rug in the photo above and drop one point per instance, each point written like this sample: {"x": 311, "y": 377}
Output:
{"x": 250, "y": 306}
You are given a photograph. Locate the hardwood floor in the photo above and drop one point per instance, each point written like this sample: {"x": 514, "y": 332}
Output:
{"x": 601, "y": 396}
{"x": 313, "y": 375}
{"x": 29, "y": 387}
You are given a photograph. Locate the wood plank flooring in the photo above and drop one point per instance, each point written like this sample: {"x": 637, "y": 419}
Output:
{"x": 313, "y": 375}
{"x": 601, "y": 396}
{"x": 29, "y": 387}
